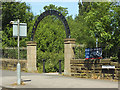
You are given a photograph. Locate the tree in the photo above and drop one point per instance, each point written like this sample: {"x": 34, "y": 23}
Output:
{"x": 84, "y": 7}
{"x": 99, "y": 20}
{"x": 64, "y": 11}
{"x": 12, "y": 11}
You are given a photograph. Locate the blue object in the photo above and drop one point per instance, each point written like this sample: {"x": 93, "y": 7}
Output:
{"x": 93, "y": 53}
{"x": 87, "y": 53}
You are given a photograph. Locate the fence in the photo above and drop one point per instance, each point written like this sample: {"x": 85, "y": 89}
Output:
{"x": 12, "y": 53}
{"x": 79, "y": 52}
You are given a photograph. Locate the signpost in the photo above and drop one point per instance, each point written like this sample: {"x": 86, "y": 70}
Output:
{"x": 19, "y": 29}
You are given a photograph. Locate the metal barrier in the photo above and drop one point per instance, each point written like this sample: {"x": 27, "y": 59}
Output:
{"x": 12, "y": 53}
{"x": 60, "y": 70}
{"x": 79, "y": 51}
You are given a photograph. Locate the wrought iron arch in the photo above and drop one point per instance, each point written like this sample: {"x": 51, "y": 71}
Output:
{"x": 51, "y": 12}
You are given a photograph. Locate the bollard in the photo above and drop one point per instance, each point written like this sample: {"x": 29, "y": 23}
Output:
{"x": 60, "y": 71}
{"x": 43, "y": 65}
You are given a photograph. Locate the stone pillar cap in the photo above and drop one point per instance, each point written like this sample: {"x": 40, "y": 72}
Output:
{"x": 69, "y": 41}
{"x": 31, "y": 43}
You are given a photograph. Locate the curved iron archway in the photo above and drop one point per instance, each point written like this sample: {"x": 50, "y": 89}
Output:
{"x": 51, "y": 12}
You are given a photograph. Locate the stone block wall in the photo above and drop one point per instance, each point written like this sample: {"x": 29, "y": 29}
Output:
{"x": 11, "y": 64}
{"x": 93, "y": 69}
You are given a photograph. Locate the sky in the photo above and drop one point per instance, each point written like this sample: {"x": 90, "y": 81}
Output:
{"x": 72, "y": 5}
{"x": 37, "y": 6}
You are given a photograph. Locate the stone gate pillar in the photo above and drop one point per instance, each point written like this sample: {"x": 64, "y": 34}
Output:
{"x": 31, "y": 56}
{"x": 68, "y": 54}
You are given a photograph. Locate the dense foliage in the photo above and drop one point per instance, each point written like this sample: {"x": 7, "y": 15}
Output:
{"x": 103, "y": 19}
{"x": 12, "y": 11}
{"x": 100, "y": 18}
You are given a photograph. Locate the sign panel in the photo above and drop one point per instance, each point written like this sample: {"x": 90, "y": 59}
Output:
{"x": 23, "y": 29}
{"x": 87, "y": 53}
{"x": 93, "y": 53}
{"x": 109, "y": 67}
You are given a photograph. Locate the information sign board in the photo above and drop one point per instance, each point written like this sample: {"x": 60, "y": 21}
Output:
{"x": 93, "y": 53}
{"x": 23, "y": 29}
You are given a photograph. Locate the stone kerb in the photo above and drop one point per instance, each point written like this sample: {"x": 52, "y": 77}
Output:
{"x": 69, "y": 43}
{"x": 31, "y": 56}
